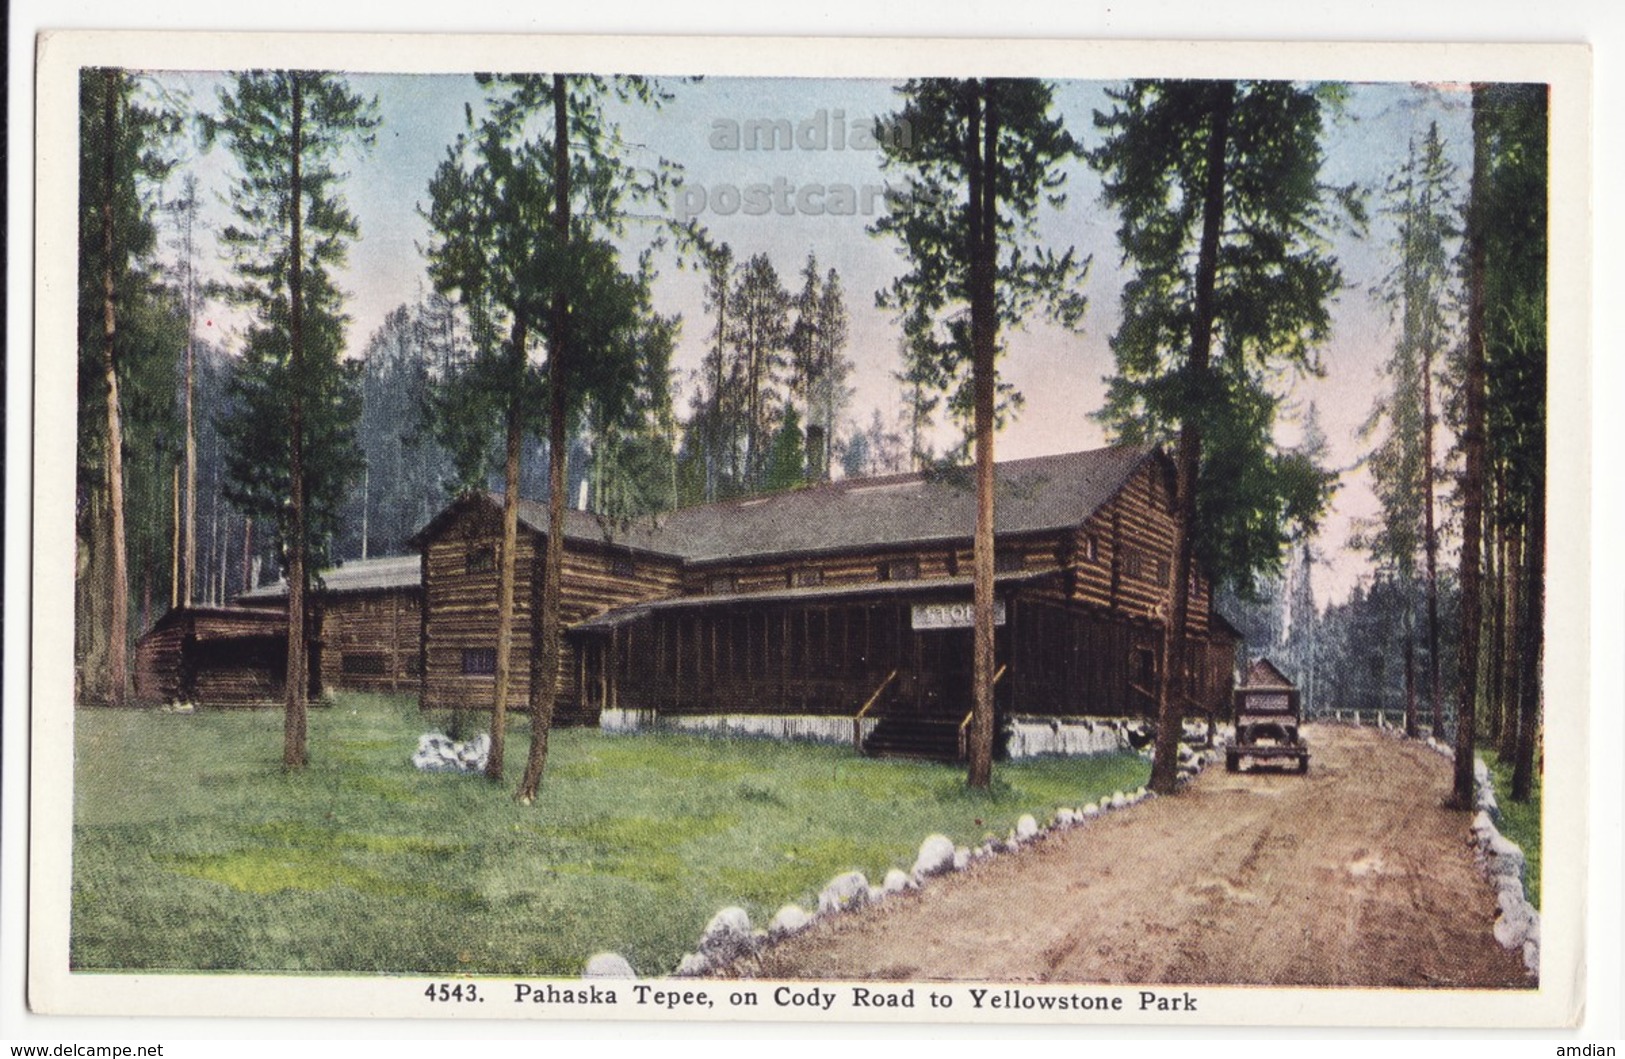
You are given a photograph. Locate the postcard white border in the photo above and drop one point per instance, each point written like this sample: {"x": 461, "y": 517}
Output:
{"x": 1566, "y": 68}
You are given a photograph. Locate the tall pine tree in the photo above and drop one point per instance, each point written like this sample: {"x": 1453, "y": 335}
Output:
{"x": 1418, "y": 291}
{"x": 291, "y": 433}
{"x": 525, "y": 210}
{"x": 984, "y": 155}
{"x": 122, "y": 161}
{"x": 1217, "y": 184}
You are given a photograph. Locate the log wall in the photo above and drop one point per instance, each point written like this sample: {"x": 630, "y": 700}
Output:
{"x": 372, "y": 641}
{"x": 460, "y": 608}
{"x": 1121, "y": 557}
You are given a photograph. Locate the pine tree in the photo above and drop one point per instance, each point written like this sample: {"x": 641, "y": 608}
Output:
{"x": 1222, "y": 216}
{"x": 526, "y": 210}
{"x": 122, "y": 161}
{"x": 761, "y": 338}
{"x": 787, "y": 456}
{"x": 984, "y": 155}
{"x": 713, "y": 415}
{"x": 817, "y": 370}
{"x": 1503, "y": 407}
{"x": 291, "y": 436}
{"x": 1418, "y": 292}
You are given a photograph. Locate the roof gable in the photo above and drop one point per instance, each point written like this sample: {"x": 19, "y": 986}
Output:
{"x": 1264, "y": 674}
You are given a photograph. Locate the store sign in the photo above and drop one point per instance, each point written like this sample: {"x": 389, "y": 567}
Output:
{"x": 952, "y": 615}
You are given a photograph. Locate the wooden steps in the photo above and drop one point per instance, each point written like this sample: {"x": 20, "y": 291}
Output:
{"x": 928, "y": 738}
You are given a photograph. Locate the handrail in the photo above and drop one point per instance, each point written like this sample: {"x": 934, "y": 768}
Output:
{"x": 964, "y": 750}
{"x": 857, "y": 718}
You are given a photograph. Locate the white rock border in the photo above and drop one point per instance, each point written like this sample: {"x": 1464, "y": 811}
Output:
{"x": 1517, "y": 920}
{"x": 730, "y": 935}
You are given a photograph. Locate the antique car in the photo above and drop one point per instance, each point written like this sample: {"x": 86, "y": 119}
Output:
{"x": 1267, "y": 716}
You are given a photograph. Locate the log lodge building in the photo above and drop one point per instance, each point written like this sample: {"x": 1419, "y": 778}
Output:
{"x": 842, "y": 605}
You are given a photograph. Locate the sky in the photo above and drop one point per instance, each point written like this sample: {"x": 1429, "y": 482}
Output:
{"x": 1061, "y": 374}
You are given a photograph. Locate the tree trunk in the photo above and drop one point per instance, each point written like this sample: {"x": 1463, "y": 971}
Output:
{"x": 1410, "y": 682}
{"x": 1170, "y": 709}
{"x": 507, "y": 559}
{"x": 546, "y": 620}
{"x": 1472, "y": 486}
{"x": 118, "y": 631}
{"x": 981, "y": 157}
{"x": 189, "y": 577}
{"x": 294, "y": 753}
{"x": 175, "y": 541}
{"x": 1430, "y": 543}
{"x": 1510, "y": 641}
{"x": 1532, "y": 642}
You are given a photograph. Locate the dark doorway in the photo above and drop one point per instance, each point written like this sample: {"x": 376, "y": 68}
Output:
{"x": 943, "y": 672}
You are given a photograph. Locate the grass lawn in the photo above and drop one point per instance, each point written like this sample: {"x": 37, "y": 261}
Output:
{"x": 193, "y": 850}
{"x": 1519, "y": 822}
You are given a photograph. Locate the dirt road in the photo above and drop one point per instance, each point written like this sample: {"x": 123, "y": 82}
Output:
{"x": 1351, "y": 876}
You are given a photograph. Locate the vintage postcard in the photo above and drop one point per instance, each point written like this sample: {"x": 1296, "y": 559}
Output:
{"x": 1041, "y": 532}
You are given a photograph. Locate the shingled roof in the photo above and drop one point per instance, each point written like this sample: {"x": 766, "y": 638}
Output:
{"x": 356, "y": 575}
{"x": 1031, "y": 495}
{"x": 921, "y": 507}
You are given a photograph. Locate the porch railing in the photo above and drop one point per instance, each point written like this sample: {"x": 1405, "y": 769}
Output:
{"x": 857, "y": 718}
{"x": 964, "y": 725}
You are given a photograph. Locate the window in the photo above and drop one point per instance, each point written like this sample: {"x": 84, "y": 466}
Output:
{"x": 623, "y": 566}
{"x": 900, "y": 570}
{"x": 479, "y": 661}
{"x": 482, "y": 559}
{"x": 368, "y": 665}
{"x": 1091, "y": 548}
{"x": 1130, "y": 562}
{"x": 1142, "y": 667}
{"x": 1162, "y": 571}
{"x": 1008, "y": 560}
{"x": 806, "y": 578}
{"x": 720, "y": 584}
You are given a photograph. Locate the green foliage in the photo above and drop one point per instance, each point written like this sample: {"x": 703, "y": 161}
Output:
{"x": 1274, "y": 279}
{"x": 406, "y": 468}
{"x": 1520, "y": 821}
{"x": 768, "y": 351}
{"x": 787, "y": 459}
{"x": 633, "y": 465}
{"x": 818, "y": 370}
{"x": 1419, "y": 291}
{"x": 1359, "y": 653}
{"x": 929, "y": 214}
{"x": 1515, "y": 289}
{"x": 120, "y": 172}
{"x": 194, "y": 850}
{"x": 495, "y": 250}
{"x": 256, "y": 122}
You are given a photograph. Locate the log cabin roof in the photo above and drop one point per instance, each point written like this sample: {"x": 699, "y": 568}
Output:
{"x": 922, "y": 587}
{"x": 220, "y": 623}
{"x": 356, "y": 575}
{"x": 1264, "y": 674}
{"x": 1032, "y": 495}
